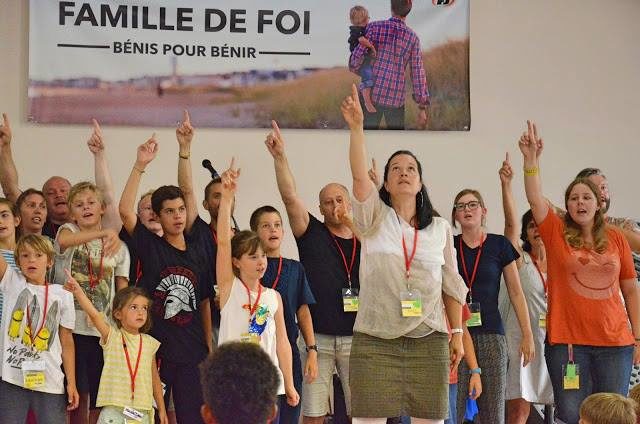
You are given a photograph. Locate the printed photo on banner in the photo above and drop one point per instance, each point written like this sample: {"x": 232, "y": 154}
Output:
{"x": 239, "y": 64}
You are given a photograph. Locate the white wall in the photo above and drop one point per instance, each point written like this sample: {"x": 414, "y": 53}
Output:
{"x": 572, "y": 65}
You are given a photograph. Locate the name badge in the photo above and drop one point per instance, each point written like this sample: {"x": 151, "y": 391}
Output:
{"x": 350, "y": 300}
{"x": 134, "y": 414}
{"x": 476, "y": 316}
{"x": 571, "y": 373}
{"x": 411, "y": 303}
{"x": 250, "y": 338}
{"x": 33, "y": 374}
{"x": 542, "y": 320}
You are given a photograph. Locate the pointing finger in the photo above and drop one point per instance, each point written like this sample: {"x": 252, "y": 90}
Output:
{"x": 276, "y": 128}
{"x": 185, "y": 117}
{"x": 5, "y": 120}
{"x": 354, "y": 92}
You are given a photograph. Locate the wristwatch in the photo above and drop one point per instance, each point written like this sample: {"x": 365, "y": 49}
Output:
{"x": 312, "y": 347}
{"x": 475, "y": 371}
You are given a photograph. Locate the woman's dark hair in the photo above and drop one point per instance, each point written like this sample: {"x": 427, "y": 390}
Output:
{"x": 527, "y": 217}
{"x": 424, "y": 208}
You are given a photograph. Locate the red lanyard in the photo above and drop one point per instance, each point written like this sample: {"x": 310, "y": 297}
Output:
{"x": 275, "y": 282}
{"x": 215, "y": 236}
{"x": 32, "y": 335}
{"x": 471, "y": 280}
{"x": 344, "y": 258}
{"x": 254, "y": 307}
{"x": 132, "y": 372}
{"x": 409, "y": 259}
{"x": 138, "y": 271}
{"x": 544, "y": 281}
{"x": 94, "y": 280}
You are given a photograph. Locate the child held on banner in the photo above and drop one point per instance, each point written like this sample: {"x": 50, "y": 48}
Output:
{"x": 287, "y": 277}
{"x": 130, "y": 379}
{"x": 100, "y": 263}
{"x": 36, "y": 338}
{"x": 249, "y": 312}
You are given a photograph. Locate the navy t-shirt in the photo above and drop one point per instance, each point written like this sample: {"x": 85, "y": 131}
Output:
{"x": 177, "y": 281}
{"x": 497, "y": 252}
{"x": 202, "y": 238}
{"x": 327, "y": 277}
{"x": 135, "y": 267}
{"x": 294, "y": 290}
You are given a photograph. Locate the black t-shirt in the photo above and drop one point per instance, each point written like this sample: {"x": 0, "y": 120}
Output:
{"x": 497, "y": 252}
{"x": 355, "y": 32}
{"x": 327, "y": 277}
{"x": 177, "y": 281}
{"x": 50, "y": 229}
{"x": 135, "y": 267}
{"x": 204, "y": 242}
{"x": 294, "y": 290}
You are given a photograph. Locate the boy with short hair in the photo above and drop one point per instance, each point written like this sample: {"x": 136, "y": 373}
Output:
{"x": 178, "y": 281}
{"x": 100, "y": 263}
{"x": 607, "y": 408}
{"x": 287, "y": 277}
{"x": 240, "y": 385}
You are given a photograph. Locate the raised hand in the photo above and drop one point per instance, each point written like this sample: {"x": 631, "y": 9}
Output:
{"x": 506, "y": 172}
{"x": 71, "y": 285}
{"x": 184, "y": 132}
{"x": 373, "y": 173}
{"x": 147, "y": 151}
{"x": 95, "y": 142}
{"x": 5, "y": 131}
{"x": 530, "y": 144}
{"x": 352, "y": 110}
{"x": 274, "y": 141}
{"x": 230, "y": 179}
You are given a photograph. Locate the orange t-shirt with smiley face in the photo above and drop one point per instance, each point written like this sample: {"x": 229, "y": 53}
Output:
{"x": 584, "y": 305}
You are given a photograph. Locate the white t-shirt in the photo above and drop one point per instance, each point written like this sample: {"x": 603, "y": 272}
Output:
{"x": 234, "y": 320}
{"x": 101, "y": 295}
{"x": 18, "y": 296}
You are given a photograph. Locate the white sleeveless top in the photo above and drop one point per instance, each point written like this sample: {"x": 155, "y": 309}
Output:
{"x": 234, "y": 320}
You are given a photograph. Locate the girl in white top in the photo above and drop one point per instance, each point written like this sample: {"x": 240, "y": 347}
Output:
{"x": 249, "y": 312}
{"x": 531, "y": 384}
{"x": 130, "y": 378}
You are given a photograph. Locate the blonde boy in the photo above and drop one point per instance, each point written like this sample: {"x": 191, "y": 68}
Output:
{"x": 607, "y": 408}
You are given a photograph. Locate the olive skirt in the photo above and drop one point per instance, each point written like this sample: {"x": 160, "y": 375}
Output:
{"x": 403, "y": 376}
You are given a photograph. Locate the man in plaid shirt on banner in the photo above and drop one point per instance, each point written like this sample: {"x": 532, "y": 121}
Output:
{"x": 397, "y": 45}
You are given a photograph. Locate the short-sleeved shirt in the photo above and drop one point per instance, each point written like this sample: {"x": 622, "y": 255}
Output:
{"x": 327, "y": 277}
{"x": 497, "y": 252}
{"x": 433, "y": 271}
{"x": 50, "y": 229}
{"x": 17, "y": 347}
{"x": 115, "y": 381}
{"x": 204, "y": 241}
{"x": 585, "y": 306}
{"x": 294, "y": 290}
{"x": 135, "y": 267}
{"x": 88, "y": 262}
{"x": 177, "y": 281}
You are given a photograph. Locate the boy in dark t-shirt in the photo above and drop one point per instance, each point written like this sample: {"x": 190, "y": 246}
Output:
{"x": 287, "y": 277}
{"x": 177, "y": 279}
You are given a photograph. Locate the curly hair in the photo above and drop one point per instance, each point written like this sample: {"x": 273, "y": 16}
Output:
{"x": 572, "y": 231}
{"x": 239, "y": 383}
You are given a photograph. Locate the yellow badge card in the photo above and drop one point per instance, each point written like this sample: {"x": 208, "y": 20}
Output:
{"x": 250, "y": 338}
{"x": 33, "y": 379}
{"x": 542, "y": 320}
{"x": 571, "y": 375}
{"x": 411, "y": 303}
{"x": 350, "y": 300}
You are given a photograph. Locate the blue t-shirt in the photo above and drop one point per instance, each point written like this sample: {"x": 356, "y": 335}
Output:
{"x": 497, "y": 252}
{"x": 294, "y": 290}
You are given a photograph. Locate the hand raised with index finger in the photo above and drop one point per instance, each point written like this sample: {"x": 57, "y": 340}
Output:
{"x": 274, "y": 140}
{"x": 352, "y": 110}
{"x": 5, "y": 131}
{"x": 506, "y": 172}
{"x": 96, "y": 142}
{"x": 184, "y": 132}
{"x": 148, "y": 150}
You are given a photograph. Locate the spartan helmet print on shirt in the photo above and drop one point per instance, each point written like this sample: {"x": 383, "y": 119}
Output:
{"x": 19, "y": 327}
{"x": 176, "y": 294}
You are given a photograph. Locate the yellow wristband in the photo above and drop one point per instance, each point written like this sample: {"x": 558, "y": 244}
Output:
{"x": 183, "y": 156}
{"x": 531, "y": 171}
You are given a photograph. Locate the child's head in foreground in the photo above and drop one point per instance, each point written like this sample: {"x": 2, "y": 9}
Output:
{"x": 239, "y": 385}
{"x": 607, "y": 408}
